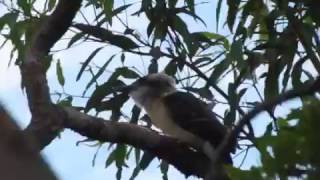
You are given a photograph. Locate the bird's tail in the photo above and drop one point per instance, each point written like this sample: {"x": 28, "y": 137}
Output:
{"x": 209, "y": 152}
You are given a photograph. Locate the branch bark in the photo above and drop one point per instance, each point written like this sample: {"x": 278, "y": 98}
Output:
{"x": 48, "y": 119}
{"x": 170, "y": 149}
{"x": 45, "y": 122}
{"x": 19, "y": 156}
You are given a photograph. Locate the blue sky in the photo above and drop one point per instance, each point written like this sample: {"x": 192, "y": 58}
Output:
{"x": 75, "y": 162}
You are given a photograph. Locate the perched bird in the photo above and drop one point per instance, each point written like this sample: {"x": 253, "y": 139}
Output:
{"x": 178, "y": 114}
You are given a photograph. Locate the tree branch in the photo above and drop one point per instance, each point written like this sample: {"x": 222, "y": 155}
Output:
{"x": 294, "y": 93}
{"x": 48, "y": 119}
{"x": 45, "y": 119}
{"x": 170, "y": 149}
{"x": 19, "y": 155}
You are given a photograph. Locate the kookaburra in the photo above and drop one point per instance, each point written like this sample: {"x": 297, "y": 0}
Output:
{"x": 178, "y": 114}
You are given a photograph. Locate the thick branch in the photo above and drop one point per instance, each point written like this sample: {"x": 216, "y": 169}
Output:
{"x": 179, "y": 155}
{"x": 45, "y": 120}
{"x": 19, "y": 157}
{"x": 103, "y": 35}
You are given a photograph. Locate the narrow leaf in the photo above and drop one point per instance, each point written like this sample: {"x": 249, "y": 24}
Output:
{"x": 101, "y": 70}
{"x": 87, "y": 61}
{"x": 146, "y": 160}
{"x": 75, "y": 38}
{"x": 232, "y": 12}
{"x": 59, "y": 73}
{"x": 218, "y": 14}
{"x": 120, "y": 9}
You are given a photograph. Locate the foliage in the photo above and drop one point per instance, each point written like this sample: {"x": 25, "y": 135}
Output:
{"x": 271, "y": 46}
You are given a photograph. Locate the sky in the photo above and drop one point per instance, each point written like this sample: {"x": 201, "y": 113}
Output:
{"x": 68, "y": 160}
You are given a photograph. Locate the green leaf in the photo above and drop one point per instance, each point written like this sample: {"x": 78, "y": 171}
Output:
{"x": 236, "y": 51}
{"x": 87, "y": 61}
{"x": 296, "y": 74}
{"x": 202, "y": 60}
{"x": 93, "y": 162}
{"x": 211, "y": 35}
{"x": 51, "y": 4}
{"x": 233, "y": 102}
{"x": 25, "y": 5}
{"x": 137, "y": 154}
{"x": 66, "y": 102}
{"x": 75, "y": 38}
{"x": 135, "y": 173}
{"x": 107, "y": 35}
{"x": 120, "y": 9}
{"x": 114, "y": 104}
{"x": 218, "y": 70}
{"x": 164, "y": 167}
{"x": 171, "y": 68}
{"x": 150, "y": 28}
{"x": 145, "y": 4}
{"x": 208, "y": 37}
{"x": 206, "y": 93}
{"x": 308, "y": 32}
{"x": 242, "y": 92}
{"x": 160, "y": 31}
{"x": 146, "y": 160}
{"x": 190, "y": 4}
{"x": 110, "y": 159}
{"x": 180, "y": 26}
{"x": 120, "y": 155}
{"x": 10, "y": 19}
{"x": 180, "y": 62}
{"x": 135, "y": 114}
{"x": 123, "y": 58}
{"x": 123, "y": 42}
{"x": 99, "y": 73}
{"x": 286, "y": 76}
{"x": 218, "y": 13}
{"x": 117, "y": 155}
{"x": 153, "y": 68}
{"x": 172, "y": 3}
{"x": 271, "y": 84}
{"x": 119, "y": 173}
{"x": 190, "y": 13}
{"x": 126, "y": 73}
{"x": 232, "y": 12}
{"x": 59, "y": 73}
{"x": 107, "y": 9}
{"x": 102, "y": 91}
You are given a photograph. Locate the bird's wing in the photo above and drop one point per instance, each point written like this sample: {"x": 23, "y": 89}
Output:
{"x": 194, "y": 116}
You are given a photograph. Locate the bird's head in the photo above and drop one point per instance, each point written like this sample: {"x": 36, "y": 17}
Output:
{"x": 151, "y": 87}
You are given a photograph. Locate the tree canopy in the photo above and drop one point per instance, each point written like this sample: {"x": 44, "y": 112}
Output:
{"x": 256, "y": 57}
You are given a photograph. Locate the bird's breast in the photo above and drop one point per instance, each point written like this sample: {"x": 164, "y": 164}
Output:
{"x": 160, "y": 116}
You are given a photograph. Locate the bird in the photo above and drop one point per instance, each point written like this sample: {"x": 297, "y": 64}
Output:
{"x": 178, "y": 114}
